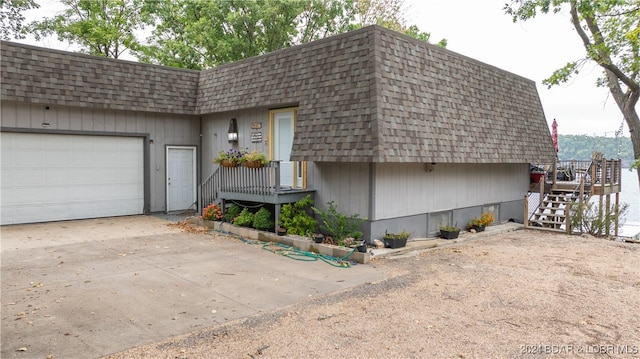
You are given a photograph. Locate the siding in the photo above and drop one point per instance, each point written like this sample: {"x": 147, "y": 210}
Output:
{"x": 163, "y": 129}
{"x": 407, "y": 189}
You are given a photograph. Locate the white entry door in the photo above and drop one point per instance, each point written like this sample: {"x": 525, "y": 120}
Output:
{"x": 282, "y": 144}
{"x": 181, "y": 178}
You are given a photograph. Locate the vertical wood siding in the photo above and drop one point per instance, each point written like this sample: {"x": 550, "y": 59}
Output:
{"x": 407, "y": 189}
{"x": 163, "y": 129}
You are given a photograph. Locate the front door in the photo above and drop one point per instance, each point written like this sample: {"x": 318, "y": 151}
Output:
{"x": 181, "y": 178}
{"x": 283, "y": 126}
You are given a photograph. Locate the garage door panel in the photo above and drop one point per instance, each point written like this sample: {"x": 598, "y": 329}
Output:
{"x": 47, "y": 177}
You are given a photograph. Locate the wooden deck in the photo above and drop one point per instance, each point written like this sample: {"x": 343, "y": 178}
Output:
{"x": 259, "y": 185}
{"x": 547, "y": 205}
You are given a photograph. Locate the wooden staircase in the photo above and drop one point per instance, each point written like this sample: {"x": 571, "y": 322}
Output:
{"x": 553, "y": 211}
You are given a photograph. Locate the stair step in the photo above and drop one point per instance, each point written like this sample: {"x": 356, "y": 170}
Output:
{"x": 542, "y": 221}
{"x": 550, "y": 215}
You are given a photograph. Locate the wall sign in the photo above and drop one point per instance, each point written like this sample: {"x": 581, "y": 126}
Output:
{"x": 256, "y": 137}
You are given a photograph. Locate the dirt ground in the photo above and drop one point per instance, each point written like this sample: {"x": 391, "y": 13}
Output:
{"x": 517, "y": 294}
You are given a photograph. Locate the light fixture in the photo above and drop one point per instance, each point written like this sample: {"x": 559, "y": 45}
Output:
{"x": 233, "y": 130}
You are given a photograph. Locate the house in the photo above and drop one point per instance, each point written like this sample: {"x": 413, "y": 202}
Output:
{"x": 404, "y": 133}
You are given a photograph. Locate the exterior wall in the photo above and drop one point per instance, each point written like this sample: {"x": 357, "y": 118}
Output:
{"x": 409, "y": 197}
{"x": 163, "y": 129}
{"x": 214, "y": 133}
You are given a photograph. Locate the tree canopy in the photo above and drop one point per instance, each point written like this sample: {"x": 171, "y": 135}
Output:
{"x": 199, "y": 34}
{"x": 12, "y": 17}
{"x": 609, "y": 31}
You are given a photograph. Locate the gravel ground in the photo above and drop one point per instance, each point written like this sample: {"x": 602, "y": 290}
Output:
{"x": 517, "y": 294}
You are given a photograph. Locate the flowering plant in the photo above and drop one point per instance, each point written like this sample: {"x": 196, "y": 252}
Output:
{"x": 255, "y": 156}
{"x": 213, "y": 212}
{"x": 486, "y": 219}
{"x": 231, "y": 155}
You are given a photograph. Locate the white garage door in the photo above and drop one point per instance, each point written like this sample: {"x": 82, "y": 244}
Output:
{"x": 51, "y": 177}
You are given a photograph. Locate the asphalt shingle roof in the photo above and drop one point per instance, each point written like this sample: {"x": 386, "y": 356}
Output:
{"x": 370, "y": 95}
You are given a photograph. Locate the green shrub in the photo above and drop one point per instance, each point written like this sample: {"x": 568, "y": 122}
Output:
{"x": 336, "y": 224}
{"x": 295, "y": 218}
{"x": 588, "y": 217}
{"x": 244, "y": 219}
{"x": 262, "y": 220}
{"x": 232, "y": 212}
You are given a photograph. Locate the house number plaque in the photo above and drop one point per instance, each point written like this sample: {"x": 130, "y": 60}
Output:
{"x": 256, "y": 137}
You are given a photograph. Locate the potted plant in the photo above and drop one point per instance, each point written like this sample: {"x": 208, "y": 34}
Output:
{"x": 254, "y": 159}
{"x": 229, "y": 158}
{"x": 449, "y": 232}
{"x": 395, "y": 240}
{"x": 479, "y": 224}
{"x": 336, "y": 225}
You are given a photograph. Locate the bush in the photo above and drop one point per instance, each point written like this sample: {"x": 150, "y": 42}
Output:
{"x": 245, "y": 219}
{"x": 232, "y": 212}
{"x": 336, "y": 224}
{"x": 262, "y": 220}
{"x": 295, "y": 219}
{"x": 588, "y": 217}
{"x": 213, "y": 212}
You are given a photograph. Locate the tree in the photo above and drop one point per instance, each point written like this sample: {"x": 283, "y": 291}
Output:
{"x": 101, "y": 27}
{"x": 11, "y": 17}
{"x": 201, "y": 34}
{"x": 609, "y": 31}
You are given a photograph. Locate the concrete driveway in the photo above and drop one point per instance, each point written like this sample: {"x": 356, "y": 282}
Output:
{"x": 85, "y": 289}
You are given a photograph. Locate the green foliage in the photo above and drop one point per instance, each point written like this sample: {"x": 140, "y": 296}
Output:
{"x": 338, "y": 225}
{"x": 12, "y": 19}
{"x": 295, "y": 218}
{"x": 396, "y": 236}
{"x": 232, "y": 212}
{"x": 449, "y": 228}
{"x": 262, "y": 220}
{"x": 580, "y": 147}
{"x": 101, "y": 28}
{"x": 244, "y": 219}
{"x": 587, "y": 217}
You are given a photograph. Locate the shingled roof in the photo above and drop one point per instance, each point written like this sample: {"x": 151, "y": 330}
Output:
{"x": 375, "y": 95}
{"x": 52, "y": 77}
{"x": 370, "y": 95}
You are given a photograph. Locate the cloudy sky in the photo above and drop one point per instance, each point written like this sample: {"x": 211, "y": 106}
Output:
{"x": 533, "y": 49}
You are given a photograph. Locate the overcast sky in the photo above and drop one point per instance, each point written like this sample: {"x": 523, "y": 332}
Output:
{"x": 533, "y": 49}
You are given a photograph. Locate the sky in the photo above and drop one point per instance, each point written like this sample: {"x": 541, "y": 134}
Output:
{"x": 481, "y": 30}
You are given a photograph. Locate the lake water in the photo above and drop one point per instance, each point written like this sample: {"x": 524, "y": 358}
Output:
{"x": 631, "y": 194}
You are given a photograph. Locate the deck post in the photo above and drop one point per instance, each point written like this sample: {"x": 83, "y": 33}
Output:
{"x": 526, "y": 211}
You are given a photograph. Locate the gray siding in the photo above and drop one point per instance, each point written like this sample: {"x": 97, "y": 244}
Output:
{"x": 216, "y": 126}
{"x": 347, "y": 184}
{"x": 407, "y": 189}
{"x": 163, "y": 129}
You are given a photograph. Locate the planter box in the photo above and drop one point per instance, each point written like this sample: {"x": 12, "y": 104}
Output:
{"x": 394, "y": 243}
{"x": 477, "y": 228}
{"x": 449, "y": 234}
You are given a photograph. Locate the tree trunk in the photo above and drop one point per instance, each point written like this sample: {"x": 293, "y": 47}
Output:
{"x": 631, "y": 116}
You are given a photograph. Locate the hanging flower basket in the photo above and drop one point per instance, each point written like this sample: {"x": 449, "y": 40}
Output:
{"x": 253, "y": 164}
{"x": 227, "y": 163}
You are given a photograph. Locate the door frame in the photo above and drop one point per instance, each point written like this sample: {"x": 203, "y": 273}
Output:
{"x": 299, "y": 167}
{"x": 194, "y": 151}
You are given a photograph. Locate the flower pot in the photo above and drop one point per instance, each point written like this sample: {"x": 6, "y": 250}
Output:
{"x": 362, "y": 248}
{"x": 253, "y": 164}
{"x": 395, "y": 242}
{"x": 449, "y": 234}
{"x": 477, "y": 228}
{"x": 227, "y": 163}
{"x": 318, "y": 237}
{"x": 281, "y": 231}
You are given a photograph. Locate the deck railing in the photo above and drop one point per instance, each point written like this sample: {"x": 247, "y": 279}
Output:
{"x": 253, "y": 181}
{"x": 597, "y": 172}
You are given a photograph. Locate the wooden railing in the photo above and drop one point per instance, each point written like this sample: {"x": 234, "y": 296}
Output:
{"x": 251, "y": 181}
{"x": 255, "y": 181}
